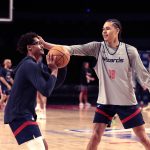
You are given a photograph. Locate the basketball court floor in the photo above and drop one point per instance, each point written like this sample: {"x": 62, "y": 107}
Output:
{"x": 68, "y": 128}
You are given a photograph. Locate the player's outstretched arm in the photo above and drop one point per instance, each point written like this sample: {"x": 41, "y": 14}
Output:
{"x": 46, "y": 45}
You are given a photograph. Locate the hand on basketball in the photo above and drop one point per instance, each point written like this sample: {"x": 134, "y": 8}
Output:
{"x": 51, "y": 62}
{"x": 62, "y": 55}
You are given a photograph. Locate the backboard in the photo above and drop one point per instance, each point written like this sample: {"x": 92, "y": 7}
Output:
{"x": 6, "y": 10}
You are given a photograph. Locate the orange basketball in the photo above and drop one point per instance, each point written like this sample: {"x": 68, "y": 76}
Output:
{"x": 62, "y": 55}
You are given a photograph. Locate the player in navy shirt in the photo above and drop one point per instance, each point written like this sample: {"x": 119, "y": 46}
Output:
{"x": 30, "y": 77}
{"x": 6, "y": 79}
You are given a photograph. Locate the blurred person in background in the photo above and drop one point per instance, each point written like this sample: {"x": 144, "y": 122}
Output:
{"x": 6, "y": 78}
{"x": 41, "y": 106}
{"x": 85, "y": 79}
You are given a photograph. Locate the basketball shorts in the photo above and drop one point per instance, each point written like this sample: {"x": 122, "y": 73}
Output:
{"x": 130, "y": 116}
{"x": 83, "y": 88}
{"x": 25, "y": 129}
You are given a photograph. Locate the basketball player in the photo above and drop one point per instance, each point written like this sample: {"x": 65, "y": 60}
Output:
{"x": 85, "y": 79}
{"x": 116, "y": 94}
{"x": 29, "y": 77}
{"x": 6, "y": 78}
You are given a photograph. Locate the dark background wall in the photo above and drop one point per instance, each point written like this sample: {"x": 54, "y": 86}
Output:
{"x": 73, "y": 22}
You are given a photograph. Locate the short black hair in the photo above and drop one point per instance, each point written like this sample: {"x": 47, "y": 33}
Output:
{"x": 25, "y": 39}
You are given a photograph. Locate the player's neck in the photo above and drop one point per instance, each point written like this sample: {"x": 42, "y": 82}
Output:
{"x": 113, "y": 44}
{"x": 37, "y": 58}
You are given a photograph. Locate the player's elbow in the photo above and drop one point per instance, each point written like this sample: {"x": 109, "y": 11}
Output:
{"x": 48, "y": 87}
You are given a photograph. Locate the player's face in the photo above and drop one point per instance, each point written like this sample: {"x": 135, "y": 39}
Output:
{"x": 37, "y": 48}
{"x": 110, "y": 32}
{"x": 8, "y": 63}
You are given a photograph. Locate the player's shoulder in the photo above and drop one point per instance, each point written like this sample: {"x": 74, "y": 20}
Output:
{"x": 132, "y": 50}
{"x": 130, "y": 47}
{"x": 94, "y": 43}
{"x": 27, "y": 63}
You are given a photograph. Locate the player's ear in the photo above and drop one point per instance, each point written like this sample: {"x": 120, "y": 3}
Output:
{"x": 28, "y": 47}
{"x": 118, "y": 30}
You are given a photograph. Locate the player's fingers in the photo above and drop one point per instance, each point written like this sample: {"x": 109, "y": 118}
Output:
{"x": 51, "y": 58}
{"x": 48, "y": 59}
{"x": 54, "y": 59}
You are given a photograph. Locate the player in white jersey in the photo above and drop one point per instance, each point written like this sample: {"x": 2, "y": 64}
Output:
{"x": 115, "y": 61}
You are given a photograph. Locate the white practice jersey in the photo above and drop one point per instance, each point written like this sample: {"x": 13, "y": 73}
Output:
{"x": 114, "y": 71}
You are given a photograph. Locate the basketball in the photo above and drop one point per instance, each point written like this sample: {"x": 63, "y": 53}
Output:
{"x": 62, "y": 55}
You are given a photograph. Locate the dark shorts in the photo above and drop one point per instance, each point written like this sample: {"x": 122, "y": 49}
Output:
{"x": 130, "y": 116}
{"x": 25, "y": 129}
{"x": 83, "y": 88}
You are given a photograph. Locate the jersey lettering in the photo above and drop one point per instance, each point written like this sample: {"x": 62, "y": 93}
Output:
{"x": 118, "y": 60}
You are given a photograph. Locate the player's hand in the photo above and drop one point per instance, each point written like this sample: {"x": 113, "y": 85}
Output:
{"x": 41, "y": 40}
{"x": 51, "y": 62}
{"x": 45, "y": 44}
{"x": 9, "y": 87}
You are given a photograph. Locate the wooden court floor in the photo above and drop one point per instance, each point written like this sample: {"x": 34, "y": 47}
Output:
{"x": 68, "y": 128}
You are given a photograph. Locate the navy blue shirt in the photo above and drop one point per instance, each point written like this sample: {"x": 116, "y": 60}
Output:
{"x": 7, "y": 74}
{"x": 29, "y": 77}
{"x": 83, "y": 78}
